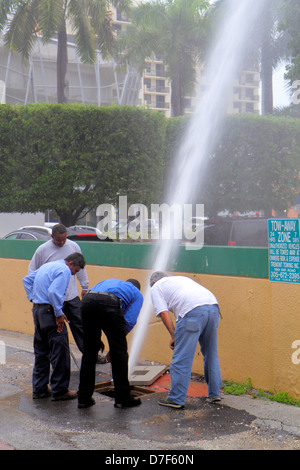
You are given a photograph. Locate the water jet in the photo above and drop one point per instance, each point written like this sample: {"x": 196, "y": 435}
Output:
{"x": 203, "y": 133}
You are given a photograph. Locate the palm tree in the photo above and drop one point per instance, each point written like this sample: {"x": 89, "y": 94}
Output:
{"x": 90, "y": 20}
{"x": 174, "y": 30}
{"x": 290, "y": 26}
{"x": 269, "y": 46}
{"x": 274, "y": 48}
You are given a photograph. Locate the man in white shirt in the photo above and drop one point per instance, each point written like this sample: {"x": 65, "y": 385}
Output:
{"x": 197, "y": 318}
{"x": 59, "y": 247}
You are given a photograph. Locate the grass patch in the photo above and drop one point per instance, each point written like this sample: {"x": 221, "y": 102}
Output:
{"x": 245, "y": 388}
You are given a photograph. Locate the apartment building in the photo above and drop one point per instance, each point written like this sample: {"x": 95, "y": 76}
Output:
{"x": 105, "y": 82}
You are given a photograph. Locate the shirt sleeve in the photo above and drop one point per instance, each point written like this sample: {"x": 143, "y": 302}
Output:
{"x": 28, "y": 282}
{"x": 158, "y": 301}
{"x": 132, "y": 312}
{"x": 35, "y": 262}
{"x": 82, "y": 274}
{"x": 57, "y": 291}
{"x": 83, "y": 279}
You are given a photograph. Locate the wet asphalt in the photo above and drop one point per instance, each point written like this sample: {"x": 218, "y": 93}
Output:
{"x": 236, "y": 423}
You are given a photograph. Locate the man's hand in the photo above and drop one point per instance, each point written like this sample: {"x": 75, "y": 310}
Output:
{"x": 60, "y": 322}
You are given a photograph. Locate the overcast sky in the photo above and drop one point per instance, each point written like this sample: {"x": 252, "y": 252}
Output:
{"x": 281, "y": 95}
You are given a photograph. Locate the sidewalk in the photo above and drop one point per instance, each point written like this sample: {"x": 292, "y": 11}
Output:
{"x": 238, "y": 422}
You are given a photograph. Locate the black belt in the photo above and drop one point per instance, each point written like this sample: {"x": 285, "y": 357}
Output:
{"x": 105, "y": 294}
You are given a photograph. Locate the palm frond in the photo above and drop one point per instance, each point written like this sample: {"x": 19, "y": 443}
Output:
{"x": 124, "y": 6}
{"x": 51, "y": 13}
{"x": 105, "y": 36}
{"x": 84, "y": 33}
{"x": 6, "y": 7}
{"x": 137, "y": 44}
{"x": 22, "y": 28}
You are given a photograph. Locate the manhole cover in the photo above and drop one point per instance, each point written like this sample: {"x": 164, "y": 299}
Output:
{"x": 146, "y": 375}
{"x": 107, "y": 389}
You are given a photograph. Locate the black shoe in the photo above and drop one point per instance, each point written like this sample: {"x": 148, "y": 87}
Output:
{"x": 101, "y": 360}
{"x": 129, "y": 403}
{"x": 86, "y": 404}
{"x": 44, "y": 394}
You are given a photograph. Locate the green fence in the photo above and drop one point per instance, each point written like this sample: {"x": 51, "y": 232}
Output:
{"x": 226, "y": 261}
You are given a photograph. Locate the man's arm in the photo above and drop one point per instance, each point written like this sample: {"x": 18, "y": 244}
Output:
{"x": 167, "y": 321}
{"x": 83, "y": 281}
{"x": 36, "y": 261}
{"x": 28, "y": 282}
{"x": 56, "y": 294}
{"x": 132, "y": 312}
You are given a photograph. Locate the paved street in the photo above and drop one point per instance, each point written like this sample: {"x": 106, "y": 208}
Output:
{"x": 237, "y": 423}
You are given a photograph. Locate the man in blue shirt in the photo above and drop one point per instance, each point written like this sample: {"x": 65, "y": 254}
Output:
{"x": 111, "y": 306}
{"x": 46, "y": 288}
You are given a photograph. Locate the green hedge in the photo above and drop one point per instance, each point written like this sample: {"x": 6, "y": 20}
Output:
{"x": 69, "y": 157}
{"x": 254, "y": 166}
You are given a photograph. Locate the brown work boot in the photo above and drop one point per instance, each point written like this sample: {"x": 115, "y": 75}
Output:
{"x": 70, "y": 395}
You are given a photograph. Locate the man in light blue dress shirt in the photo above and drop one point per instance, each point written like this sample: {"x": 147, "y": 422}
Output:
{"x": 46, "y": 288}
{"x": 59, "y": 247}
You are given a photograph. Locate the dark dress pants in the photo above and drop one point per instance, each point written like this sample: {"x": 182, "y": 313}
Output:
{"x": 100, "y": 314}
{"x": 50, "y": 348}
{"x": 71, "y": 309}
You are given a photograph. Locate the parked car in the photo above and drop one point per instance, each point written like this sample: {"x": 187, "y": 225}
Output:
{"x": 237, "y": 232}
{"x": 85, "y": 233}
{"x": 76, "y": 233}
{"x": 30, "y": 233}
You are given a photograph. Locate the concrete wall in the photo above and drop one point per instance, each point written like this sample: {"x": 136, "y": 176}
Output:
{"x": 260, "y": 322}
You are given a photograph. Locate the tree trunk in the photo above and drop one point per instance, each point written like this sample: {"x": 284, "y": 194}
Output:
{"x": 267, "y": 62}
{"x": 62, "y": 61}
{"x": 177, "y": 98}
{"x": 266, "y": 78}
{"x": 68, "y": 218}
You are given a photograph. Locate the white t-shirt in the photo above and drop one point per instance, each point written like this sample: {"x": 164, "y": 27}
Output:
{"x": 179, "y": 295}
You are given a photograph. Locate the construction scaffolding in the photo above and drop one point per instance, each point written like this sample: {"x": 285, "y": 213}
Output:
{"x": 34, "y": 81}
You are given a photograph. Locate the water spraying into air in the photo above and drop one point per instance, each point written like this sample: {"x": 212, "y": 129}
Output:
{"x": 203, "y": 132}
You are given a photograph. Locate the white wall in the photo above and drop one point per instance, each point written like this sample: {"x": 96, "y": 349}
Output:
{"x": 13, "y": 221}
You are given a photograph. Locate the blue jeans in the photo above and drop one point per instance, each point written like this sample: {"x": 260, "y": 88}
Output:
{"x": 200, "y": 324}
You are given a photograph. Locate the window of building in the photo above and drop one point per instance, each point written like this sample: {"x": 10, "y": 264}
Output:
{"x": 147, "y": 83}
{"x": 160, "y": 70}
{"x": 160, "y": 101}
{"x": 249, "y": 77}
{"x": 160, "y": 86}
{"x": 148, "y": 68}
{"x": 249, "y": 94}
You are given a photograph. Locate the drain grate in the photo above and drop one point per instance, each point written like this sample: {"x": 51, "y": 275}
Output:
{"x": 107, "y": 389}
